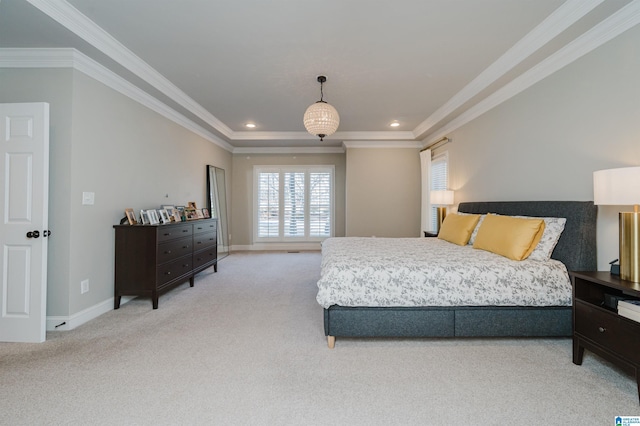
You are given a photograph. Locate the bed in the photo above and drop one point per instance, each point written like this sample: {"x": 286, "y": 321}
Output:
{"x": 576, "y": 250}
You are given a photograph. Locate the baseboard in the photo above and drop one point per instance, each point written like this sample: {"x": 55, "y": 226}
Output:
{"x": 278, "y": 246}
{"x": 62, "y": 323}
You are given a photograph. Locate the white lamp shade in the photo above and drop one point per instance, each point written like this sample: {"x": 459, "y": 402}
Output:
{"x": 618, "y": 187}
{"x": 442, "y": 197}
{"x": 321, "y": 118}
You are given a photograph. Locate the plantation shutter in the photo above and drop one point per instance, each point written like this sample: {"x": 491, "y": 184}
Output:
{"x": 294, "y": 204}
{"x": 320, "y": 204}
{"x": 268, "y": 204}
{"x": 439, "y": 181}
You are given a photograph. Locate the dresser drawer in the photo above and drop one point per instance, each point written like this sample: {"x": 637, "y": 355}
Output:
{"x": 204, "y": 226}
{"x": 173, "y": 270}
{"x": 201, "y": 241}
{"x": 607, "y": 329}
{"x": 205, "y": 256}
{"x": 171, "y": 232}
{"x": 173, "y": 249}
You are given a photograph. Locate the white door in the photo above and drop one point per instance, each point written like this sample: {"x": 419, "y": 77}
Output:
{"x": 24, "y": 192}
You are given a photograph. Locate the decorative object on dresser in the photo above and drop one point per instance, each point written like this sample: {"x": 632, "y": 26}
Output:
{"x": 621, "y": 187}
{"x": 600, "y": 327}
{"x": 441, "y": 199}
{"x": 151, "y": 259}
{"x": 131, "y": 216}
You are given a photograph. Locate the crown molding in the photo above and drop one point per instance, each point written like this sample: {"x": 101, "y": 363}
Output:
{"x": 382, "y": 144}
{"x": 291, "y": 150}
{"x": 383, "y": 135}
{"x": 563, "y": 17}
{"x": 72, "y": 19}
{"x": 613, "y": 26}
{"x": 71, "y": 58}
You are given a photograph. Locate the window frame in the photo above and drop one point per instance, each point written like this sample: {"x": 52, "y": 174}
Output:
{"x": 281, "y": 170}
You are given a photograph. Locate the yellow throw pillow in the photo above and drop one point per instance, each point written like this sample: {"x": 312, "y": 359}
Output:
{"x": 457, "y": 228}
{"x": 509, "y": 236}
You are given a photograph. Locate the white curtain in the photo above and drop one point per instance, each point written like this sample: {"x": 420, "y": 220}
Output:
{"x": 425, "y": 167}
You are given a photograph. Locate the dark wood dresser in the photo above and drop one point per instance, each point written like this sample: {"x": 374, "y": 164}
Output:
{"x": 151, "y": 259}
{"x": 597, "y": 325}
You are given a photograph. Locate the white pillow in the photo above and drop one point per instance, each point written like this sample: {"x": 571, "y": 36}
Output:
{"x": 472, "y": 239}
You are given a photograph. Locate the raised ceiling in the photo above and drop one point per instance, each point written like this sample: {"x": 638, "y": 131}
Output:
{"x": 429, "y": 64}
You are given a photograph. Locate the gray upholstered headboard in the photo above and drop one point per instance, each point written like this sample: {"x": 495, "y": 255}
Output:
{"x": 577, "y": 245}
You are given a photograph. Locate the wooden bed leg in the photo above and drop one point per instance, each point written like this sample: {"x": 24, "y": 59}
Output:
{"x": 331, "y": 341}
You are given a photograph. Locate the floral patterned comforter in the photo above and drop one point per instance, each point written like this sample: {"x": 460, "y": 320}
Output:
{"x": 431, "y": 272}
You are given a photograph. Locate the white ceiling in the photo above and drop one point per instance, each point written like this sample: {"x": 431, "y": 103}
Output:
{"x": 425, "y": 63}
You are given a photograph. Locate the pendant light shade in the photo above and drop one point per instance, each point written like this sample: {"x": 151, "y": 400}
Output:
{"x": 321, "y": 119}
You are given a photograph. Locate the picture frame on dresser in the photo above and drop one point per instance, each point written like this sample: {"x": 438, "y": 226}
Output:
{"x": 164, "y": 216}
{"x": 131, "y": 216}
{"x": 153, "y": 217}
{"x": 144, "y": 217}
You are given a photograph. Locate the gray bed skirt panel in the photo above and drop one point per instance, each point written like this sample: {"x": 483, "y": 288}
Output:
{"x": 448, "y": 322}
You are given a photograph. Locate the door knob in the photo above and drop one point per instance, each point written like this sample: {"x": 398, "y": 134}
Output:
{"x": 33, "y": 234}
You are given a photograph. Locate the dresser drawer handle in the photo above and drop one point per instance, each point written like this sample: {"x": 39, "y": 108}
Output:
{"x": 168, "y": 273}
{"x": 185, "y": 230}
{"x": 167, "y": 252}
{"x": 602, "y": 329}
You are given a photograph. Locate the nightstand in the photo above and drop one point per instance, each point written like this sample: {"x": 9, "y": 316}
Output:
{"x": 597, "y": 325}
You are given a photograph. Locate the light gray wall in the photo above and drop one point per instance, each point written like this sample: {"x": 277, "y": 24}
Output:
{"x": 383, "y": 192}
{"x": 103, "y": 142}
{"x": 242, "y": 188}
{"x": 545, "y": 143}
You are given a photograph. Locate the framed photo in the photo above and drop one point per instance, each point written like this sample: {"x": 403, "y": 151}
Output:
{"x": 192, "y": 205}
{"x": 181, "y": 213}
{"x": 175, "y": 216}
{"x": 153, "y": 217}
{"x": 199, "y": 214}
{"x": 164, "y": 216}
{"x": 144, "y": 217}
{"x": 168, "y": 207}
{"x": 190, "y": 214}
{"x": 131, "y": 216}
{"x": 205, "y": 212}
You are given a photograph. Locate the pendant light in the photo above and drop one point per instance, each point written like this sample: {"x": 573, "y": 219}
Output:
{"x": 321, "y": 119}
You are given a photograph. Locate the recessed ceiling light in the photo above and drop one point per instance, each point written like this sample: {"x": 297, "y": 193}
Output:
{"x": 250, "y": 125}
{"x": 394, "y": 124}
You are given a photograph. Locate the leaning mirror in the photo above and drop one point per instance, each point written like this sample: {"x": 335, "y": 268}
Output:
{"x": 217, "y": 202}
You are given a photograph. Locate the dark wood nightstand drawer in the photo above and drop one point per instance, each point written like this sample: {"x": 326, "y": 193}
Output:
{"x": 606, "y": 328}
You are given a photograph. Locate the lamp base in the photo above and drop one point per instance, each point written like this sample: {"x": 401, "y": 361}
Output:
{"x": 442, "y": 213}
{"x": 629, "y": 224}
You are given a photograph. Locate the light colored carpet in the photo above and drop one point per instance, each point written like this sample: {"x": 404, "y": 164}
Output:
{"x": 246, "y": 346}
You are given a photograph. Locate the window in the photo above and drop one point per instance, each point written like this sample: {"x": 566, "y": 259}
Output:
{"x": 293, "y": 203}
{"x": 439, "y": 181}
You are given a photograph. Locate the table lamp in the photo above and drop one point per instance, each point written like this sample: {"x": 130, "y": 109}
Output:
{"x": 442, "y": 199}
{"x": 622, "y": 187}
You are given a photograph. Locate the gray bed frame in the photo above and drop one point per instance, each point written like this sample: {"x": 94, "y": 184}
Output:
{"x": 576, "y": 249}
